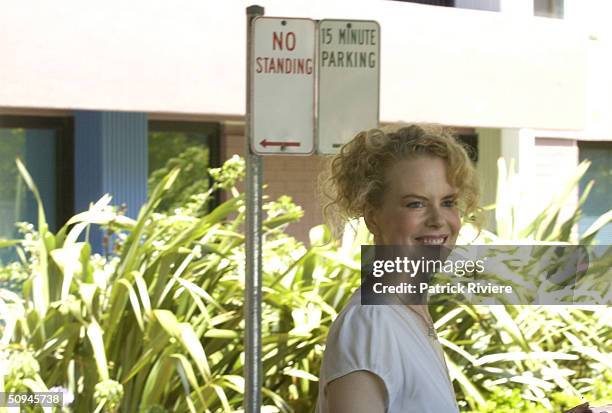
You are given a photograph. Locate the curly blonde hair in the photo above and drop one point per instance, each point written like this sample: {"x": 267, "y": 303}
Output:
{"x": 354, "y": 180}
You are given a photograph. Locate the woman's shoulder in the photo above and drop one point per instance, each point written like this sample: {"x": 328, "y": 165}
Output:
{"x": 365, "y": 329}
{"x": 356, "y": 317}
{"x": 366, "y": 338}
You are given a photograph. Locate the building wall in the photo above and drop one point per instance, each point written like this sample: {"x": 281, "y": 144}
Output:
{"x": 507, "y": 82}
{"x": 190, "y": 59}
{"x": 544, "y": 166}
{"x": 489, "y": 150}
{"x": 555, "y": 163}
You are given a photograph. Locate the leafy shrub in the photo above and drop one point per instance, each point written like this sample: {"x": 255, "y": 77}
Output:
{"x": 158, "y": 326}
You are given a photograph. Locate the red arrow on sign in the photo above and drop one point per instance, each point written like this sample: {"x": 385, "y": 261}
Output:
{"x": 265, "y": 143}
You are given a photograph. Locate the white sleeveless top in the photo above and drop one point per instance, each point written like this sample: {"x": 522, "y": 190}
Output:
{"x": 387, "y": 340}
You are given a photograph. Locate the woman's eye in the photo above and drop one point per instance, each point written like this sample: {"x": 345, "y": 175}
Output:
{"x": 451, "y": 203}
{"x": 415, "y": 204}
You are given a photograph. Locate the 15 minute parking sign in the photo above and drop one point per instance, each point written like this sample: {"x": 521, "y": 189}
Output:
{"x": 349, "y": 81}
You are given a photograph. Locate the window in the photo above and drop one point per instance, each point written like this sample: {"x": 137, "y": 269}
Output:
{"x": 548, "y": 8}
{"x": 470, "y": 142}
{"x": 192, "y": 146}
{"x": 600, "y": 199}
{"x": 45, "y": 146}
{"x": 489, "y": 5}
{"x": 445, "y": 3}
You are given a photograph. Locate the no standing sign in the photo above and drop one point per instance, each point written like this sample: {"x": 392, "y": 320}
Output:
{"x": 282, "y": 72}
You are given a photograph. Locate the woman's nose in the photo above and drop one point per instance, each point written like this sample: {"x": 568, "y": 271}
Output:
{"x": 434, "y": 217}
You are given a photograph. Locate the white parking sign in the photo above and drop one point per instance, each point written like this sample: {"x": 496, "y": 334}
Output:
{"x": 283, "y": 73}
{"x": 349, "y": 81}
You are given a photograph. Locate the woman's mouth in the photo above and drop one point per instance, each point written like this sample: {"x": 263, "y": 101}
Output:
{"x": 432, "y": 239}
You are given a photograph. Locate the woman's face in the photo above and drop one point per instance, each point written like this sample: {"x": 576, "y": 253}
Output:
{"x": 418, "y": 207}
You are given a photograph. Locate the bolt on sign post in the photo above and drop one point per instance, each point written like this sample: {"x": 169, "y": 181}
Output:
{"x": 349, "y": 81}
{"x": 283, "y": 90}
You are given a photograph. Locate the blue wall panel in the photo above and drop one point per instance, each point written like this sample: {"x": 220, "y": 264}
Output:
{"x": 110, "y": 157}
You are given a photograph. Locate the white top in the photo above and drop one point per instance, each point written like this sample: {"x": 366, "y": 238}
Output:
{"x": 388, "y": 341}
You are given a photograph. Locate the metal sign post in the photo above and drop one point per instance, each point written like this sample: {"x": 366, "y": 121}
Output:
{"x": 253, "y": 246}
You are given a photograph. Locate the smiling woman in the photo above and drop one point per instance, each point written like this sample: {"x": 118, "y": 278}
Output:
{"x": 419, "y": 206}
{"x": 376, "y": 164}
{"x": 414, "y": 186}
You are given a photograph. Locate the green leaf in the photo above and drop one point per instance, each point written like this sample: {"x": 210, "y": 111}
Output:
{"x": 94, "y": 333}
{"x": 219, "y": 333}
{"x": 301, "y": 374}
{"x": 184, "y": 333}
{"x": 150, "y": 353}
{"x": 68, "y": 260}
{"x": 522, "y": 355}
{"x": 194, "y": 348}
{"x": 134, "y": 301}
{"x": 42, "y": 222}
{"x": 4, "y": 243}
{"x": 37, "y": 386}
{"x": 168, "y": 322}
{"x": 157, "y": 379}
{"x": 592, "y": 231}
{"x": 186, "y": 371}
{"x": 465, "y": 383}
